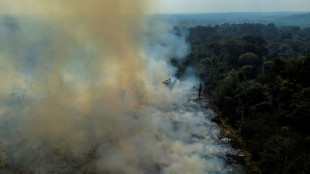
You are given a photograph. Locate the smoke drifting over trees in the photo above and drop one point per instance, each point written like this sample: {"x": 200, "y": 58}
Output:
{"x": 73, "y": 74}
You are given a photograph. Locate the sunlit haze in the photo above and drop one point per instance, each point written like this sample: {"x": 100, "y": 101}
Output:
{"x": 205, "y": 6}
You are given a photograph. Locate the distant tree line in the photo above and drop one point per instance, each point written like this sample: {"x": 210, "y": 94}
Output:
{"x": 259, "y": 77}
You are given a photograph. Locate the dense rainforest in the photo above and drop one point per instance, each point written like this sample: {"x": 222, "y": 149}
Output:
{"x": 258, "y": 77}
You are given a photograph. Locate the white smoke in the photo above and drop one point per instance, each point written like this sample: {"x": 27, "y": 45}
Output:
{"x": 86, "y": 126}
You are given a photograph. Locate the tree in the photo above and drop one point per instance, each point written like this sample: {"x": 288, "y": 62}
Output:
{"x": 271, "y": 31}
{"x": 231, "y": 51}
{"x": 169, "y": 83}
{"x": 249, "y": 59}
{"x": 254, "y": 39}
{"x": 247, "y": 72}
{"x": 199, "y": 89}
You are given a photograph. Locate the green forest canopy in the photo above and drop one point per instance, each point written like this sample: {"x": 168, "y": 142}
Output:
{"x": 258, "y": 76}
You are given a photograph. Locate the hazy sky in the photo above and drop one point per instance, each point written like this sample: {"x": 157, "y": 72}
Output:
{"x": 198, "y": 6}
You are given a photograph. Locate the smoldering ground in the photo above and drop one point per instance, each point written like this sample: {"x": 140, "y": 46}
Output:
{"x": 73, "y": 74}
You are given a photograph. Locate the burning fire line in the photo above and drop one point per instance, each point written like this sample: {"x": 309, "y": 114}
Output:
{"x": 142, "y": 106}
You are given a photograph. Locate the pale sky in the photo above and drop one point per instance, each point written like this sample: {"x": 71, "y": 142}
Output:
{"x": 205, "y": 6}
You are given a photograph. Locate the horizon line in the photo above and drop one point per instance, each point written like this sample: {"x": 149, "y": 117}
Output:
{"x": 197, "y": 13}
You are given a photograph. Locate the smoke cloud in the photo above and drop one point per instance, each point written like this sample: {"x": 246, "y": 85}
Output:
{"x": 73, "y": 75}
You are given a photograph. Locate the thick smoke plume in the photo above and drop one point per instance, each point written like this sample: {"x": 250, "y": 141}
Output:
{"x": 73, "y": 75}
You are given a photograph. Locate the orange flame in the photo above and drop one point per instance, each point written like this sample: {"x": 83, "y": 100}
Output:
{"x": 141, "y": 106}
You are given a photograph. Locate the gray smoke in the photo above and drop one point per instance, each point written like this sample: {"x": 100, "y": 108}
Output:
{"x": 71, "y": 102}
